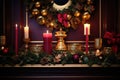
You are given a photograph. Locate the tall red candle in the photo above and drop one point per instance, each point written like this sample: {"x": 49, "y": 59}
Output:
{"x": 87, "y": 33}
{"x": 87, "y": 38}
{"x": 16, "y": 39}
{"x": 47, "y": 42}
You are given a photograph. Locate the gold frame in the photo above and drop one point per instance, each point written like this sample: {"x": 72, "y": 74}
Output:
{"x": 100, "y": 33}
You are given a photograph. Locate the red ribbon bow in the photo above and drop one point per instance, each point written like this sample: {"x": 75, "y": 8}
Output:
{"x": 62, "y": 18}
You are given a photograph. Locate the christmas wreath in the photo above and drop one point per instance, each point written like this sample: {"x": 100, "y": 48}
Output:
{"x": 64, "y": 14}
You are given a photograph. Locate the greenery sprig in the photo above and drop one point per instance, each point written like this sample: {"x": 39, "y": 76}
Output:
{"x": 58, "y": 57}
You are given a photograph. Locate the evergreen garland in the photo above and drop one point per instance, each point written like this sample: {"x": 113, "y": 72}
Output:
{"x": 58, "y": 57}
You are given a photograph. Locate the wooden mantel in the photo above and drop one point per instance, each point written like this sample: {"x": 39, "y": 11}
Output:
{"x": 59, "y": 72}
{"x": 58, "y": 65}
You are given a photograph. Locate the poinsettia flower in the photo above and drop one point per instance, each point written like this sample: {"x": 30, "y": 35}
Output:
{"x": 108, "y": 35}
{"x": 65, "y": 16}
{"x": 65, "y": 23}
{"x": 59, "y": 18}
{"x": 115, "y": 48}
{"x": 118, "y": 39}
{"x": 113, "y": 40}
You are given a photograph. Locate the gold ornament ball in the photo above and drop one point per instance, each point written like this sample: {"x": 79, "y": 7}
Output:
{"x": 37, "y": 4}
{"x": 89, "y": 2}
{"x": 35, "y": 12}
{"x": 42, "y": 21}
{"x": 69, "y": 24}
{"x": 69, "y": 16}
{"x": 51, "y": 24}
{"x": 55, "y": 24}
{"x": 86, "y": 16}
{"x": 44, "y": 12}
{"x": 77, "y": 14}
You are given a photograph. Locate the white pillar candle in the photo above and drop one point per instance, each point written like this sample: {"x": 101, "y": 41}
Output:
{"x": 26, "y": 32}
{"x": 26, "y": 28}
{"x": 86, "y": 25}
{"x": 26, "y": 17}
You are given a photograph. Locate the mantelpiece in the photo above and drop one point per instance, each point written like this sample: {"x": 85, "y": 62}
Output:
{"x": 59, "y": 65}
{"x": 82, "y": 43}
{"x": 64, "y": 72}
{"x": 77, "y": 71}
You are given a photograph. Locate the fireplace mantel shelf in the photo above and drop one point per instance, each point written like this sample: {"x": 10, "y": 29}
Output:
{"x": 58, "y": 65}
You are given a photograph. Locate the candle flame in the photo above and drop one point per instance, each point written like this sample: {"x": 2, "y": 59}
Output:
{"x": 47, "y": 31}
{"x": 86, "y": 25}
{"x": 16, "y": 25}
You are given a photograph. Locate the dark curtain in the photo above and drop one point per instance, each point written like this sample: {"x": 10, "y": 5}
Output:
{"x": 13, "y": 15}
{"x": 109, "y": 16}
{"x": 1, "y": 17}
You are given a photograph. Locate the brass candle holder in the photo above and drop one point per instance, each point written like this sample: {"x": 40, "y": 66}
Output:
{"x": 2, "y": 40}
{"x": 26, "y": 44}
{"x": 60, "y": 44}
{"x": 98, "y": 45}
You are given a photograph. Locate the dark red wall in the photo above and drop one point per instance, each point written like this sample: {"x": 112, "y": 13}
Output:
{"x": 15, "y": 14}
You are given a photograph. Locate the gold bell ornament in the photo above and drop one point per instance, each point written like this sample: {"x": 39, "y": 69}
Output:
{"x": 44, "y": 12}
{"x": 60, "y": 44}
{"x": 37, "y": 4}
{"x": 35, "y": 12}
{"x": 77, "y": 14}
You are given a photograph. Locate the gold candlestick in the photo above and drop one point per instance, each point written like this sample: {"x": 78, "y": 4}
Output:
{"x": 98, "y": 45}
{"x": 2, "y": 40}
{"x": 26, "y": 44}
{"x": 60, "y": 44}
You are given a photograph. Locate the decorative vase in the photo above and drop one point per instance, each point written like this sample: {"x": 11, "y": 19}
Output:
{"x": 36, "y": 48}
{"x": 74, "y": 47}
{"x": 60, "y": 43}
{"x": 98, "y": 46}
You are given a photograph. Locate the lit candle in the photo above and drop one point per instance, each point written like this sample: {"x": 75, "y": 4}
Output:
{"x": 16, "y": 39}
{"x": 26, "y": 17}
{"x": 97, "y": 52}
{"x": 86, "y": 26}
{"x": 47, "y": 38}
{"x": 26, "y": 32}
{"x": 87, "y": 32}
{"x": 26, "y": 28}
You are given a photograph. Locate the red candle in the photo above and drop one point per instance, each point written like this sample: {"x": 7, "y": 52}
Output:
{"x": 86, "y": 40}
{"x": 87, "y": 33}
{"x": 47, "y": 44}
{"x": 16, "y": 39}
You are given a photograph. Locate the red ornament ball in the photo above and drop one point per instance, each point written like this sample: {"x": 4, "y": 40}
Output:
{"x": 5, "y": 50}
{"x": 76, "y": 56}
